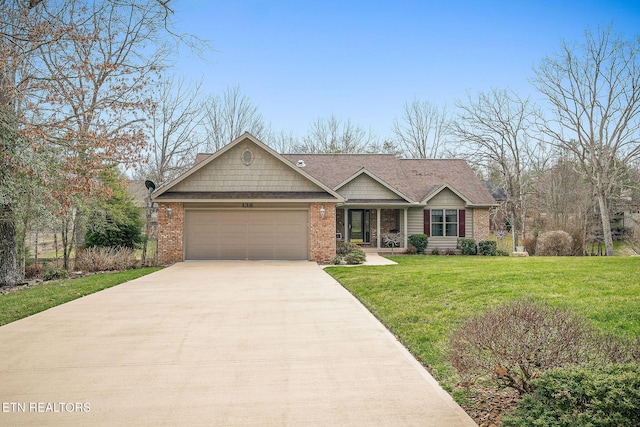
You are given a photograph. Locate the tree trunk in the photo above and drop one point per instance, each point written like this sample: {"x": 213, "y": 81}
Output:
{"x": 606, "y": 225}
{"x": 10, "y": 273}
{"x": 35, "y": 255}
{"x": 515, "y": 225}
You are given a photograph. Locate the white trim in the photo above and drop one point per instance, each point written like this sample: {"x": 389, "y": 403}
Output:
{"x": 453, "y": 190}
{"x": 177, "y": 200}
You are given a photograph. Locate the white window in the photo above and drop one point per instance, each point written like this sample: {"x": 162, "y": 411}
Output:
{"x": 444, "y": 222}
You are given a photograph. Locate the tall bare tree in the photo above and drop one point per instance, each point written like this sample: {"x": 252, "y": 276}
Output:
{"x": 335, "y": 136}
{"x": 422, "y": 129}
{"x": 230, "y": 115}
{"x": 72, "y": 88}
{"x": 282, "y": 142}
{"x": 495, "y": 127}
{"x": 177, "y": 123}
{"x": 593, "y": 89}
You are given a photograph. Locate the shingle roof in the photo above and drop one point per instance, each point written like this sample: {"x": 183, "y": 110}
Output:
{"x": 416, "y": 178}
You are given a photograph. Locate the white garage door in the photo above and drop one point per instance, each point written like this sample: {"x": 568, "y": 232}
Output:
{"x": 246, "y": 234}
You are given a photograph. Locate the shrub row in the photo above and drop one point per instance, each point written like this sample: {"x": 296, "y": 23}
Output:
{"x": 105, "y": 259}
{"x": 484, "y": 247}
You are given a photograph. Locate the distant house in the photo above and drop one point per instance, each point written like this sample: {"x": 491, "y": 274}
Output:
{"x": 248, "y": 202}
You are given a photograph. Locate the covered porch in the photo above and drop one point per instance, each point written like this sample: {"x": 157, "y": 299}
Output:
{"x": 373, "y": 227}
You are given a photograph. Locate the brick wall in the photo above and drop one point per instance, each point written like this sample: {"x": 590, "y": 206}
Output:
{"x": 388, "y": 221}
{"x": 170, "y": 233}
{"x": 480, "y": 224}
{"x": 322, "y": 233}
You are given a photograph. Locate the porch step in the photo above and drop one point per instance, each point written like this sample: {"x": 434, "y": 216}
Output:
{"x": 381, "y": 250}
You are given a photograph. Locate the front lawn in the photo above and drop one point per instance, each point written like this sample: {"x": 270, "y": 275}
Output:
{"x": 423, "y": 298}
{"x": 23, "y": 303}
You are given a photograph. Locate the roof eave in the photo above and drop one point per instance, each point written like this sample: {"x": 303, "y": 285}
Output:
{"x": 247, "y": 200}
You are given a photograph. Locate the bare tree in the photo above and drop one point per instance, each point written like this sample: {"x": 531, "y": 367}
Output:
{"x": 593, "y": 89}
{"x": 229, "y": 116}
{"x": 72, "y": 89}
{"x": 562, "y": 201}
{"x": 282, "y": 142}
{"x": 176, "y": 130}
{"x": 422, "y": 129}
{"x": 495, "y": 127}
{"x": 335, "y": 136}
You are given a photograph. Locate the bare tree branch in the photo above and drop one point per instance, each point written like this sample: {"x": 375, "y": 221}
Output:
{"x": 422, "y": 130}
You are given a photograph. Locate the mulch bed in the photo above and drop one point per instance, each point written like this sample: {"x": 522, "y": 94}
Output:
{"x": 487, "y": 406}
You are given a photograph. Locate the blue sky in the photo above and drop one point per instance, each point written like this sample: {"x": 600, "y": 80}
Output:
{"x": 301, "y": 60}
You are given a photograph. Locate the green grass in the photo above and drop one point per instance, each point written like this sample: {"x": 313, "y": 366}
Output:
{"x": 423, "y": 299}
{"x": 19, "y": 304}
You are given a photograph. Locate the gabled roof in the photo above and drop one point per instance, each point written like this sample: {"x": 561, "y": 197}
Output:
{"x": 416, "y": 179}
{"x": 364, "y": 171}
{"x": 204, "y": 160}
{"x": 437, "y": 190}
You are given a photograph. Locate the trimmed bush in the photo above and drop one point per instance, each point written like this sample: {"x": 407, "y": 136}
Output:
{"x": 349, "y": 252}
{"x": 555, "y": 243}
{"x": 502, "y": 252}
{"x": 516, "y": 342}
{"x": 355, "y": 256}
{"x": 488, "y": 248}
{"x": 467, "y": 246}
{"x": 607, "y": 396}
{"x": 343, "y": 248}
{"x": 420, "y": 241}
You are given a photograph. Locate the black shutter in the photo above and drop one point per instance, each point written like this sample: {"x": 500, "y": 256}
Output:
{"x": 461, "y": 223}
{"x": 427, "y": 222}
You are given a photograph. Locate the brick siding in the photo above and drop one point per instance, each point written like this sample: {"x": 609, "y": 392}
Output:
{"x": 170, "y": 233}
{"x": 481, "y": 224}
{"x": 322, "y": 233}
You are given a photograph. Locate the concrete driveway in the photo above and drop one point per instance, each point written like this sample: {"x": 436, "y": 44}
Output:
{"x": 216, "y": 343}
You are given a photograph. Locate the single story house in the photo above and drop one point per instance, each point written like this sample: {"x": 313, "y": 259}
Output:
{"x": 248, "y": 202}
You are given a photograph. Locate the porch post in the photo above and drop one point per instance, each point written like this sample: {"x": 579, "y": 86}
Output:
{"x": 406, "y": 229}
{"x": 346, "y": 224}
{"x": 378, "y": 228}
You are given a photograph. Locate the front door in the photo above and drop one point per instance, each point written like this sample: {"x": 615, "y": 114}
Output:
{"x": 359, "y": 225}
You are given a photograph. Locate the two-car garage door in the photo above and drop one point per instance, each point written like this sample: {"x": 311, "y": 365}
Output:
{"x": 246, "y": 234}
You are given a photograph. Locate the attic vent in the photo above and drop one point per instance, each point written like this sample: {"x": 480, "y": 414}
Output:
{"x": 300, "y": 164}
{"x": 247, "y": 157}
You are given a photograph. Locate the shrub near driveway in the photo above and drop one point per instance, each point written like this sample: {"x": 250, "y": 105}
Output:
{"x": 423, "y": 299}
{"x": 607, "y": 396}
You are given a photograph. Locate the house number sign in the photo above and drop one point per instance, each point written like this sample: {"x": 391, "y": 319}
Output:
{"x": 247, "y": 205}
